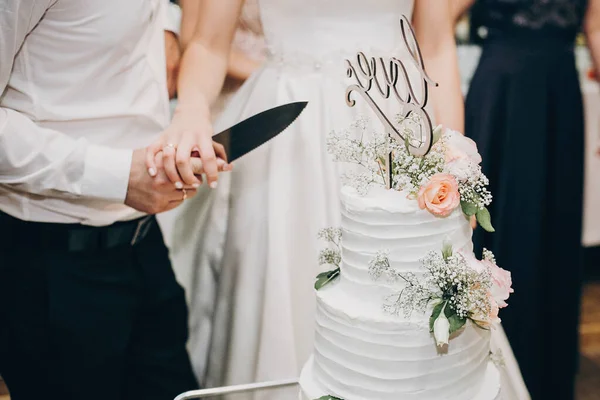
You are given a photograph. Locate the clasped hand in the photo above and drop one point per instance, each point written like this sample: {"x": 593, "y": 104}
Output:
{"x": 170, "y": 170}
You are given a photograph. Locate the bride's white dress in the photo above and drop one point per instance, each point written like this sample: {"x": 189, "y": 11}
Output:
{"x": 258, "y": 323}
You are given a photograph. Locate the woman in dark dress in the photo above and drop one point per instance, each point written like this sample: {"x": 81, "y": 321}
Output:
{"x": 524, "y": 110}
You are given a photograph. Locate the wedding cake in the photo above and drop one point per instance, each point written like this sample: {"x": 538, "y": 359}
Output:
{"x": 363, "y": 348}
{"x": 407, "y": 309}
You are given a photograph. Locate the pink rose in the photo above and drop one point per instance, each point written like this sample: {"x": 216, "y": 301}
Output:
{"x": 440, "y": 195}
{"x": 458, "y": 146}
{"x": 501, "y": 283}
{"x": 472, "y": 261}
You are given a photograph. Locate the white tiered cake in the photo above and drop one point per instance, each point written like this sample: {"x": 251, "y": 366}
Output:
{"x": 363, "y": 352}
{"x": 406, "y": 313}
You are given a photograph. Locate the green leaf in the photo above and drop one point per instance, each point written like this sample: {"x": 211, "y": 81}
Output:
{"x": 323, "y": 274}
{"x": 437, "y": 134}
{"x": 455, "y": 321}
{"x": 447, "y": 250}
{"x": 468, "y": 208}
{"x": 435, "y": 314}
{"x": 329, "y": 398}
{"x": 407, "y": 143}
{"x": 326, "y": 277}
{"x": 485, "y": 220}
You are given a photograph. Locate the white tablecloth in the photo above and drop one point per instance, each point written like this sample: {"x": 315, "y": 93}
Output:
{"x": 468, "y": 58}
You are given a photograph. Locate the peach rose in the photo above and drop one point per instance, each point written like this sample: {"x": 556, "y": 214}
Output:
{"x": 440, "y": 195}
{"x": 486, "y": 321}
{"x": 501, "y": 283}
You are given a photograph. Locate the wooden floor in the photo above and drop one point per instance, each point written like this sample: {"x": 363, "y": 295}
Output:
{"x": 589, "y": 380}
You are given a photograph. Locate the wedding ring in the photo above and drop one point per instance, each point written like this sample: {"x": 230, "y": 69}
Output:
{"x": 169, "y": 146}
{"x": 184, "y": 194}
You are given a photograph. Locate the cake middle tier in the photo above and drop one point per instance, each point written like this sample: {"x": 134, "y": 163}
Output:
{"x": 388, "y": 220}
{"x": 362, "y": 352}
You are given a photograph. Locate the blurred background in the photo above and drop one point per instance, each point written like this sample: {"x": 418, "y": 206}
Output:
{"x": 469, "y": 40}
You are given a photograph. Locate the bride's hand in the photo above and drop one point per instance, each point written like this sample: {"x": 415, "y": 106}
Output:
{"x": 198, "y": 166}
{"x": 190, "y": 131}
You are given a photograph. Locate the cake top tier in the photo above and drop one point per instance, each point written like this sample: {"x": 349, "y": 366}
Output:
{"x": 447, "y": 178}
{"x": 378, "y": 199}
{"x": 387, "y": 220}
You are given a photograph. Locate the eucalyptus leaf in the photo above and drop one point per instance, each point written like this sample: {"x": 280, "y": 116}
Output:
{"x": 455, "y": 321}
{"x": 326, "y": 277}
{"x": 468, "y": 208}
{"x": 485, "y": 219}
{"x": 435, "y": 314}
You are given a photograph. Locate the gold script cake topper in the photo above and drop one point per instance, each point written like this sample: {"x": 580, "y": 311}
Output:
{"x": 393, "y": 73}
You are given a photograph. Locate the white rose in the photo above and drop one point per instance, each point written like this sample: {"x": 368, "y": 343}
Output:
{"x": 441, "y": 329}
{"x": 459, "y": 146}
{"x": 462, "y": 168}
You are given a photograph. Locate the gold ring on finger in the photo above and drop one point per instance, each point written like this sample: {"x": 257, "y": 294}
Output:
{"x": 169, "y": 146}
{"x": 184, "y": 194}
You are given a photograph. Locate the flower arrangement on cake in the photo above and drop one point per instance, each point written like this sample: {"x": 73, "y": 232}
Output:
{"x": 447, "y": 177}
{"x": 455, "y": 287}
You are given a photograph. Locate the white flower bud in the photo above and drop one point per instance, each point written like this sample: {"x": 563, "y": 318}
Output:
{"x": 441, "y": 329}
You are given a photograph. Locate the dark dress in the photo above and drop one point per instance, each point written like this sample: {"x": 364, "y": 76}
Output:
{"x": 524, "y": 110}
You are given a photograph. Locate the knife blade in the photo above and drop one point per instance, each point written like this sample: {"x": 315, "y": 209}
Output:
{"x": 255, "y": 131}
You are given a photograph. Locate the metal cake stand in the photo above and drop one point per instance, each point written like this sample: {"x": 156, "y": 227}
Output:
{"x": 205, "y": 393}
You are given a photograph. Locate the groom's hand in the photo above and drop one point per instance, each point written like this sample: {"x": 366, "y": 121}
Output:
{"x": 156, "y": 194}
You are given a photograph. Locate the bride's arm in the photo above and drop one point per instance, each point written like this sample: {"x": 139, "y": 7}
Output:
{"x": 459, "y": 7}
{"x": 592, "y": 30}
{"x": 206, "y": 54}
{"x": 207, "y": 28}
{"x": 239, "y": 67}
{"x": 434, "y": 27}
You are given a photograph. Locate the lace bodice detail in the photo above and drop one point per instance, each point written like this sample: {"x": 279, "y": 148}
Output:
{"x": 555, "y": 16}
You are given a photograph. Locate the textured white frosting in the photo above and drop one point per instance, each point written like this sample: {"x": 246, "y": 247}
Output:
{"x": 389, "y": 220}
{"x": 490, "y": 389}
{"x": 361, "y": 352}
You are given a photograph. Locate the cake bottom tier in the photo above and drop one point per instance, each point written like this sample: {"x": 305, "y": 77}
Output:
{"x": 310, "y": 389}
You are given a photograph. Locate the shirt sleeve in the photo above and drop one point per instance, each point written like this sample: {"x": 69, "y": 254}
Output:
{"x": 173, "y": 18}
{"x": 41, "y": 161}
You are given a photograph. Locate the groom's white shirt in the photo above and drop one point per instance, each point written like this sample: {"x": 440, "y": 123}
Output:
{"x": 82, "y": 83}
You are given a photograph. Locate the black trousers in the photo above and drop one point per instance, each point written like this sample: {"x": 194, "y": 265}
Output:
{"x": 104, "y": 322}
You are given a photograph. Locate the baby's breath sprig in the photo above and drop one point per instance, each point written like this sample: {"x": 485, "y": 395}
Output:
{"x": 450, "y": 285}
{"x": 329, "y": 256}
{"x": 356, "y": 145}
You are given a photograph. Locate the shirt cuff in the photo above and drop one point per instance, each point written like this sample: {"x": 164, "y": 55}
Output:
{"x": 173, "y": 19}
{"x": 106, "y": 174}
